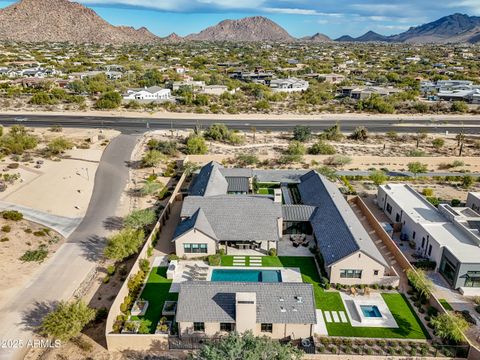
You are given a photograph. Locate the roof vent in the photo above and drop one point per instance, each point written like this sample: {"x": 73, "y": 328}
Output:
{"x": 294, "y": 309}
{"x": 299, "y": 299}
{"x": 282, "y": 309}
{"x": 281, "y": 299}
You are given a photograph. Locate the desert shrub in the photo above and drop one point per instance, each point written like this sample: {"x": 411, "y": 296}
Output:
{"x": 37, "y": 255}
{"x": 196, "y": 145}
{"x": 4, "y": 239}
{"x": 322, "y": 148}
{"x": 338, "y": 160}
{"x": 360, "y": 134}
{"x": 302, "y": 133}
{"x": 12, "y": 215}
{"x": 6, "y": 228}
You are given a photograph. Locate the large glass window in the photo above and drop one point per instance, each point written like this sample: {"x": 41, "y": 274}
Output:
{"x": 389, "y": 208}
{"x": 473, "y": 279}
{"x": 266, "y": 328}
{"x": 227, "y": 327}
{"x": 195, "y": 248}
{"x": 351, "y": 274}
{"x": 448, "y": 270}
{"x": 199, "y": 326}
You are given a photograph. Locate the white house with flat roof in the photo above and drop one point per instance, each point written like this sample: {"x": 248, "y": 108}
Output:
{"x": 153, "y": 93}
{"x": 449, "y": 236}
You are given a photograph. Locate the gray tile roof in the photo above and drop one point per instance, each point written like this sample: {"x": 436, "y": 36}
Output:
{"x": 297, "y": 212}
{"x": 217, "y": 302}
{"x": 279, "y": 176}
{"x": 238, "y": 217}
{"x": 199, "y": 222}
{"x": 337, "y": 229}
{"x": 209, "y": 181}
{"x": 236, "y": 172}
{"x": 238, "y": 184}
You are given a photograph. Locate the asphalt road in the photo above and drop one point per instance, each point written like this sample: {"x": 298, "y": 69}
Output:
{"x": 62, "y": 274}
{"x": 140, "y": 125}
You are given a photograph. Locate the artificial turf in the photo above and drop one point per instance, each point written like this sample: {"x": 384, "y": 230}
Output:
{"x": 446, "y": 304}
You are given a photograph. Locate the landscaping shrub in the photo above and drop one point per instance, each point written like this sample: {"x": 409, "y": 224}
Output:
{"x": 431, "y": 311}
{"x": 272, "y": 252}
{"x": 214, "y": 260}
{"x": 39, "y": 233}
{"x": 12, "y": 215}
{"x": 106, "y": 279}
{"x": 172, "y": 257}
{"x": 144, "y": 265}
{"x": 6, "y": 228}
{"x": 425, "y": 264}
{"x": 35, "y": 255}
{"x": 111, "y": 270}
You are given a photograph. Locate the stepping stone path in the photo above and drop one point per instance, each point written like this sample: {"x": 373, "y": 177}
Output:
{"x": 239, "y": 261}
{"x": 255, "y": 261}
{"x": 335, "y": 317}
{"x": 343, "y": 317}
{"x": 328, "y": 318}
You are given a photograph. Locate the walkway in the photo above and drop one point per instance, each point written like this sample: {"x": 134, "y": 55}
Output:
{"x": 65, "y": 226}
{"x": 76, "y": 260}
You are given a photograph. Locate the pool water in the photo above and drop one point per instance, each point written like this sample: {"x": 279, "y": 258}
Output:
{"x": 237, "y": 275}
{"x": 370, "y": 311}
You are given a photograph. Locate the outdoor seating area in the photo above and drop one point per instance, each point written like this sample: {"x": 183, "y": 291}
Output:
{"x": 299, "y": 240}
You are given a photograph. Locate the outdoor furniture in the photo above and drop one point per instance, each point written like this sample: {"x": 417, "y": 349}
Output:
{"x": 305, "y": 243}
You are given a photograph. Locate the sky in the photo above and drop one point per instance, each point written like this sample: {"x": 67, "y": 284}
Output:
{"x": 299, "y": 17}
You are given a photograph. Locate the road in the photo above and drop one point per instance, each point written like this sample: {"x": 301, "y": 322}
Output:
{"x": 136, "y": 125}
{"x": 62, "y": 274}
{"x": 405, "y": 173}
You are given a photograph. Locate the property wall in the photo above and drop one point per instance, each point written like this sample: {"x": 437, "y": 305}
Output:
{"x": 139, "y": 342}
{"x": 195, "y": 237}
{"x": 358, "y": 261}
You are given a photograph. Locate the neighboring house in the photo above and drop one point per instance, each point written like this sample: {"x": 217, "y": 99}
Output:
{"x": 446, "y": 86}
{"x": 217, "y": 90}
{"x": 361, "y": 93}
{"x": 289, "y": 85}
{"x": 222, "y": 211}
{"x": 473, "y": 201}
{"x": 275, "y": 310}
{"x": 194, "y": 85}
{"x": 154, "y": 93}
{"x": 469, "y": 96}
{"x": 449, "y": 236}
{"x": 332, "y": 78}
{"x": 258, "y": 76}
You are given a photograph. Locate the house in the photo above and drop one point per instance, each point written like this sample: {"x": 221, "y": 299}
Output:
{"x": 448, "y": 236}
{"x": 223, "y": 211}
{"x": 361, "y": 93}
{"x": 194, "y": 85}
{"x": 153, "y": 93}
{"x": 217, "y": 90}
{"x": 332, "y": 78}
{"x": 473, "y": 201}
{"x": 276, "y": 310}
{"x": 469, "y": 96}
{"x": 289, "y": 85}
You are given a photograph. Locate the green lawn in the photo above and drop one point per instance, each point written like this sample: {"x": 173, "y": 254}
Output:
{"x": 156, "y": 291}
{"x": 445, "y": 304}
{"x": 410, "y": 326}
{"x": 265, "y": 191}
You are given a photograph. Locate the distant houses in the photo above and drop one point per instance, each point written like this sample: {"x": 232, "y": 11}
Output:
{"x": 153, "y": 93}
{"x": 451, "y": 90}
{"x": 361, "y": 93}
{"x": 289, "y": 85}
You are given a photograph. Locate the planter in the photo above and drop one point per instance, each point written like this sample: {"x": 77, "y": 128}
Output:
{"x": 163, "y": 327}
{"x": 139, "y": 308}
{"x": 131, "y": 327}
{"x": 169, "y": 308}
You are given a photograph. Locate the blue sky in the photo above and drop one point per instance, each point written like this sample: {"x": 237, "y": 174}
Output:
{"x": 299, "y": 17}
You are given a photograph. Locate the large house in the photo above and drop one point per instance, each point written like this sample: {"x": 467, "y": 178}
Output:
{"x": 223, "y": 211}
{"x": 289, "y": 85}
{"x": 449, "y": 236}
{"x": 153, "y": 93}
{"x": 277, "y": 310}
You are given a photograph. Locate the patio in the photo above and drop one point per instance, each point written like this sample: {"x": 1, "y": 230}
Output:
{"x": 285, "y": 247}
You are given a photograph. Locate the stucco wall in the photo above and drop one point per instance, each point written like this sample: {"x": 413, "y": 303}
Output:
{"x": 140, "y": 342}
{"x": 195, "y": 237}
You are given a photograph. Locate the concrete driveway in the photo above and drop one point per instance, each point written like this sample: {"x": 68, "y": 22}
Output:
{"x": 76, "y": 260}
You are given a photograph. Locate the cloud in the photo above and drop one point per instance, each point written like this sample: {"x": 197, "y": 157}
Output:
{"x": 181, "y": 5}
{"x": 291, "y": 11}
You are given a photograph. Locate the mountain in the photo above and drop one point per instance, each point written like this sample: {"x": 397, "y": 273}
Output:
{"x": 452, "y": 28}
{"x": 371, "y": 36}
{"x": 63, "y": 21}
{"x": 173, "y": 37}
{"x": 318, "y": 37}
{"x": 257, "y": 28}
{"x": 345, "y": 38}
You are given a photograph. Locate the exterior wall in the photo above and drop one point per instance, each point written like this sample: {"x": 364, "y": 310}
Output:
{"x": 195, "y": 237}
{"x": 473, "y": 201}
{"x": 138, "y": 342}
{"x": 279, "y": 331}
{"x": 358, "y": 261}
{"x": 461, "y": 274}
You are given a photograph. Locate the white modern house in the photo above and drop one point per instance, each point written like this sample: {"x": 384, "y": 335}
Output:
{"x": 289, "y": 85}
{"x": 450, "y": 236}
{"x": 154, "y": 93}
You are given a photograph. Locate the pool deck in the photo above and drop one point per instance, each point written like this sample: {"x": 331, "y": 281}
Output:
{"x": 290, "y": 275}
{"x": 357, "y": 319}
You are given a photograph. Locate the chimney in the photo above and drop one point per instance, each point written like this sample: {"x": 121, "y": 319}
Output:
{"x": 246, "y": 311}
{"x": 277, "y": 195}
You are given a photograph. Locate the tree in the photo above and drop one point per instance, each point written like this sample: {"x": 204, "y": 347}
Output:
{"x": 359, "y": 134}
{"x": 419, "y": 280}
{"x": 139, "y": 219}
{"x": 59, "y": 145}
{"x": 152, "y": 158}
{"x": 450, "y": 327}
{"x": 18, "y": 140}
{"x": 296, "y": 148}
{"x": 467, "y": 181}
{"x": 67, "y": 320}
{"x": 417, "y": 167}
{"x": 109, "y": 100}
{"x": 322, "y": 148}
{"x": 124, "y": 244}
{"x": 302, "y": 133}
{"x": 378, "y": 177}
{"x": 438, "y": 143}
{"x": 247, "y": 346}
{"x": 196, "y": 145}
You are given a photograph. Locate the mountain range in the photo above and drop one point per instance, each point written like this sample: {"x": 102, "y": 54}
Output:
{"x": 65, "y": 21}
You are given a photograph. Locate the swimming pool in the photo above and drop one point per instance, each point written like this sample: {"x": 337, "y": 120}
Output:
{"x": 370, "y": 311}
{"x": 237, "y": 275}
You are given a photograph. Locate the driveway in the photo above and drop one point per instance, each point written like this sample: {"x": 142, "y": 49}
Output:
{"x": 76, "y": 260}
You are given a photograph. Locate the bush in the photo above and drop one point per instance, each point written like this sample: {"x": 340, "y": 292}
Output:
{"x": 427, "y": 192}
{"x": 12, "y": 215}
{"x": 196, "y": 145}
{"x": 144, "y": 265}
{"x": 214, "y": 260}
{"x": 35, "y": 255}
{"x": 296, "y": 148}
{"x": 302, "y": 133}
{"x": 6, "y": 228}
{"x": 59, "y": 145}
{"x": 172, "y": 257}
{"x": 338, "y": 160}
{"x": 272, "y": 252}
{"x": 322, "y": 148}
{"x": 455, "y": 202}
{"x": 109, "y": 100}
{"x": 360, "y": 134}
{"x": 111, "y": 270}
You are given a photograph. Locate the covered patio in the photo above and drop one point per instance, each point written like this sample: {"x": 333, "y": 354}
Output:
{"x": 247, "y": 247}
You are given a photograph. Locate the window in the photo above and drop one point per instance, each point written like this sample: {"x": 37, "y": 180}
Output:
{"x": 227, "y": 327}
{"x": 375, "y": 272}
{"x": 397, "y": 218}
{"x": 413, "y": 235}
{"x": 266, "y": 328}
{"x": 199, "y": 326}
{"x": 430, "y": 250}
{"x": 389, "y": 208}
{"x": 423, "y": 243}
{"x": 473, "y": 279}
{"x": 195, "y": 248}
{"x": 351, "y": 274}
